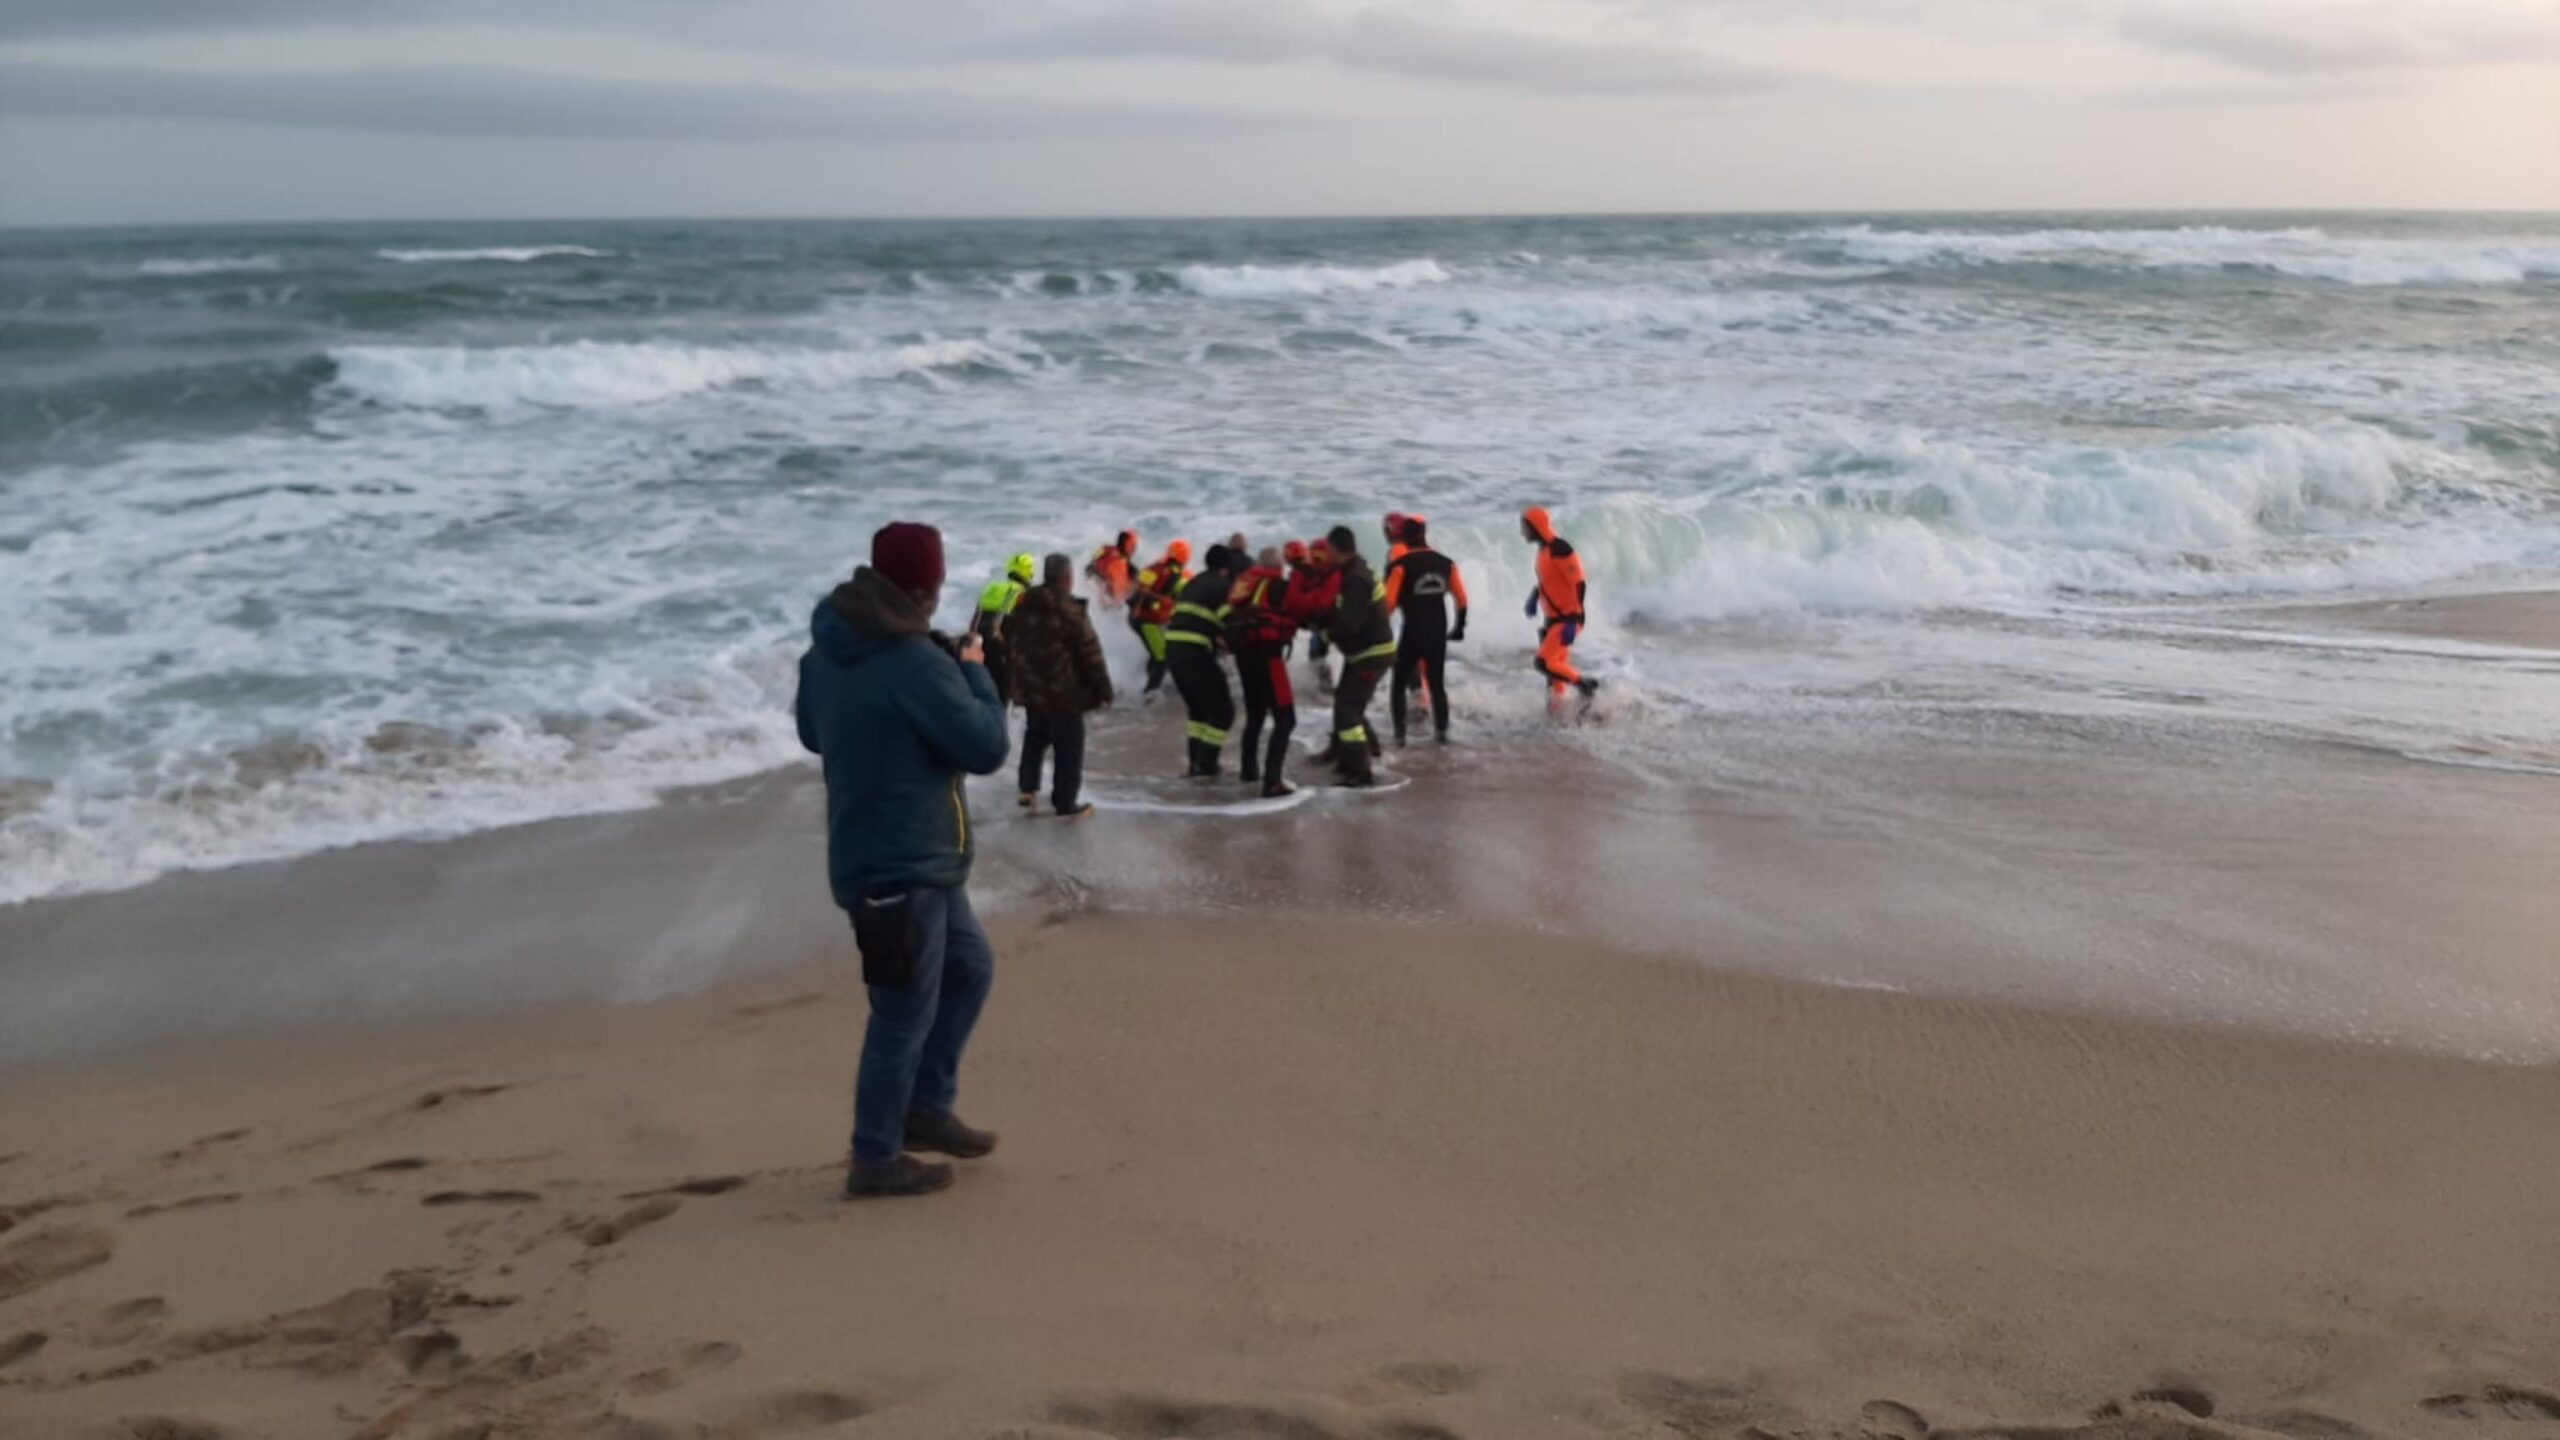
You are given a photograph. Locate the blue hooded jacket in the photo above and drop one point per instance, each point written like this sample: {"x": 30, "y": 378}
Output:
{"x": 896, "y": 723}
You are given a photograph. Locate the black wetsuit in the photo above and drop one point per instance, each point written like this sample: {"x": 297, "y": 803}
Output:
{"x": 1422, "y": 649}
{"x": 1360, "y": 629}
{"x": 1192, "y": 640}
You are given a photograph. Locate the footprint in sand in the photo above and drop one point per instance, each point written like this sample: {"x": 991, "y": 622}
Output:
{"x": 435, "y": 1355}
{"x": 2497, "y": 1402}
{"x": 1705, "y": 1407}
{"x": 196, "y": 1147}
{"x": 1430, "y": 1377}
{"x": 126, "y": 1322}
{"x": 192, "y": 1202}
{"x": 438, "y": 1099}
{"x": 49, "y": 1255}
{"x": 1147, "y": 1417}
{"x": 696, "y": 1362}
{"x": 21, "y": 1346}
{"x": 163, "y": 1427}
{"x": 607, "y": 1232}
{"x": 694, "y": 1185}
{"x": 1891, "y": 1420}
{"x": 482, "y": 1197}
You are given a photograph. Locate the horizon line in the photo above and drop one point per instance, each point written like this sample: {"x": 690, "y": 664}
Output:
{"x": 1310, "y": 216}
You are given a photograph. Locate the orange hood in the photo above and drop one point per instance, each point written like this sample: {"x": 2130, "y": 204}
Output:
{"x": 1540, "y": 523}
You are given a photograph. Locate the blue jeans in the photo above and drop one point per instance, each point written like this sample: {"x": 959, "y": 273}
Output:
{"x": 911, "y": 1052}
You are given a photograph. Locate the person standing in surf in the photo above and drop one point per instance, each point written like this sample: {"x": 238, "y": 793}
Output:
{"x": 897, "y": 715}
{"x": 1058, "y": 676}
{"x": 1366, "y": 637}
{"x": 1421, "y": 585}
{"x": 1562, "y": 595}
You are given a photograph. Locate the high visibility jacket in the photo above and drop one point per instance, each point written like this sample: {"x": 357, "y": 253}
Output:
{"x": 1110, "y": 569}
{"x": 1200, "y": 612}
{"x": 1560, "y": 581}
{"x": 1152, "y": 602}
{"x": 1359, "y": 627}
{"x": 997, "y": 601}
{"x": 1257, "y": 610}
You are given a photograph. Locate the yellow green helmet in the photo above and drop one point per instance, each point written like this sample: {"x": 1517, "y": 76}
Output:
{"x": 1023, "y": 568}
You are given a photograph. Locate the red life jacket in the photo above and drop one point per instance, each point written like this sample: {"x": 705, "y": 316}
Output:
{"x": 1257, "y": 610}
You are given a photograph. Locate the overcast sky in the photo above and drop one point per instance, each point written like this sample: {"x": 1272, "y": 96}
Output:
{"x": 137, "y": 110}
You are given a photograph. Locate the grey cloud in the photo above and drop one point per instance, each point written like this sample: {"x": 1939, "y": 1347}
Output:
{"x": 2342, "y": 39}
{"x": 845, "y": 29}
{"x": 1378, "y": 40}
{"x": 529, "y": 104}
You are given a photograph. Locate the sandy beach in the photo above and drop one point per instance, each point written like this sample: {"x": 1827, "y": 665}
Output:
{"x": 1271, "y": 1174}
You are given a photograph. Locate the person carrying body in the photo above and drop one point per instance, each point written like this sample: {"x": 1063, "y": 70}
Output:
{"x": 1058, "y": 676}
{"x": 1309, "y": 599}
{"x": 1366, "y": 637}
{"x": 1421, "y": 583}
{"x": 1259, "y": 633}
{"x": 995, "y": 604}
{"x": 1158, "y": 589}
{"x": 1194, "y": 639}
{"x": 1114, "y": 568}
{"x": 1558, "y": 604}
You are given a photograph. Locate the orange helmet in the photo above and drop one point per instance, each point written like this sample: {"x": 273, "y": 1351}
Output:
{"x": 1128, "y": 542}
{"x": 1295, "y": 552}
{"x": 1320, "y": 554}
{"x": 1179, "y": 552}
{"x": 1413, "y": 529}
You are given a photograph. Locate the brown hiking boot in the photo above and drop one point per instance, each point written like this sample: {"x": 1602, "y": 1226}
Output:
{"x": 886, "y": 1179}
{"x": 939, "y": 1132}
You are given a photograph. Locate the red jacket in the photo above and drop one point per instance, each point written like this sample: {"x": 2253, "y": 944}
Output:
{"x": 1257, "y": 610}
{"x": 1310, "y": 596}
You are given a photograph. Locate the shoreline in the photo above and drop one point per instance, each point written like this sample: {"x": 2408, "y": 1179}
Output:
{"x": 1414, "y": 1179}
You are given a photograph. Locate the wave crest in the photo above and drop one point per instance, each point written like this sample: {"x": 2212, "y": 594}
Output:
{"x": 603, "y": 375}
{"x": 173, "y": 266}
{"x": 513, "y": 254}
{"x": 1295, "y": 282}
{"x": 2302, "y": 252}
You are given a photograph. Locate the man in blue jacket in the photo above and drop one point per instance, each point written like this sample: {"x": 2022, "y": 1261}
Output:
{"x": 898, "y": 715}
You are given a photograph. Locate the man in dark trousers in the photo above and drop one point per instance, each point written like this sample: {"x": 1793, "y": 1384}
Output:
{"x": 1422, "y": 583}
{"x": 1194, "y": 639}
{"x": 1058, "y": 676}
{"x": 1360, "y": 629}
{"x": 898, "y": 714}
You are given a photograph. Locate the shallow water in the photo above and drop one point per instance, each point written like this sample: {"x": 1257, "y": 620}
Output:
{"x": 311, "y": 536}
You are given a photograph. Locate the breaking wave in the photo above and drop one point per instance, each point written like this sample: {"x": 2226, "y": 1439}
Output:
{"x": 171, "y": 266}
{"x": 515, "y": 254}
{"x": 601, "y": 375}
{"x": 1294, "y": 282}
{"x": 2302, "y": 252}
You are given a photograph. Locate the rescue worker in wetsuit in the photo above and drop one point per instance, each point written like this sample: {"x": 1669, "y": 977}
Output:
{"x": 1259, "y": 634}
{"x": 1194, "y": 638}
{"x": 1558, "y": 605}
{"x": 1309, "y": 596}
{"x": 1421, "y": 583}
{"x": 994, "y": 604}
{"x": 1151, "y": 605}
{"x": 1366, "y": 637}
{"x": 1114, "y": 568}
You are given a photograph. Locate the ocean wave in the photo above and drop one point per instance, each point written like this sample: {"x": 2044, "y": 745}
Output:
{"x": 1910, "y": 523}
{"x": 172, "y": 266}
{"x": 293, "y": 794}
{"x": 601, "y": 375}
{"x": 515, "y": 254}
{"x": 2302, "y": 252}
{"x": 1297, "y": 282}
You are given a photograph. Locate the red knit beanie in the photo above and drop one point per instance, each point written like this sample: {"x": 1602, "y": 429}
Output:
{"x": 909, "y": 556}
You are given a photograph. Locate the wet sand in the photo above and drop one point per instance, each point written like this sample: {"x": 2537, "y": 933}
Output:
{"x": 2529, "y": 619}
{"x": 1362, "y": 1180}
